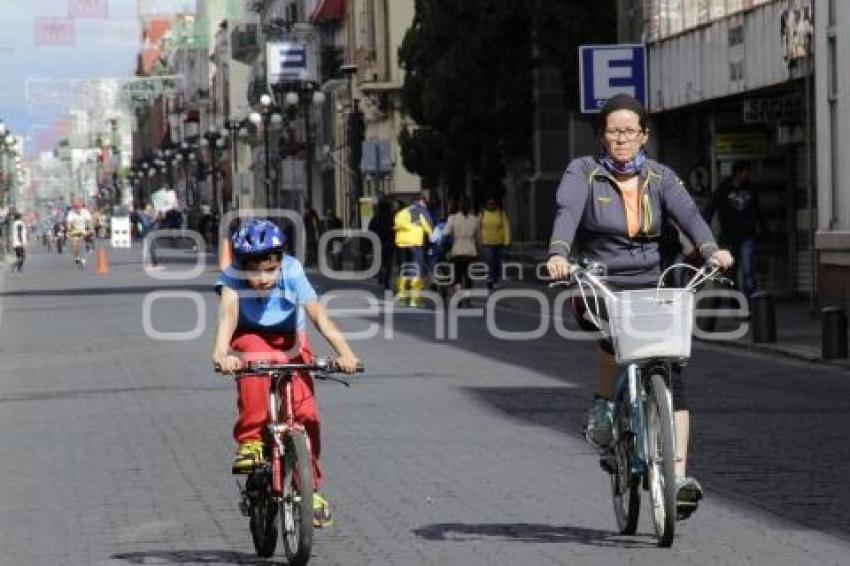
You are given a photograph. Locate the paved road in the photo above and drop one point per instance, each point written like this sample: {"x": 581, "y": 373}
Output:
{"x": 116, "y": 447}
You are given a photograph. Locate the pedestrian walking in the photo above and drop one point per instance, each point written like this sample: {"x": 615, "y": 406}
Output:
{"x": 463, "y": 227}
{"x": 19, "y": 242}
{"x": 736, "y": 203}
{"x": 382, "y": 226}
{"x": 495, "y": 237}
{"x": 412, "y": 225}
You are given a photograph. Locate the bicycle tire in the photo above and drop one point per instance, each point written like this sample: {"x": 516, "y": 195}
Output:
{"x": 625, "y": 485}
{"x": 296, "y": 514}
{"x": 263, "y": 514}
{"x": 661, "y": 460}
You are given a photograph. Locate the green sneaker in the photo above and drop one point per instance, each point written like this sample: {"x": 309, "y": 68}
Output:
{"x": 248, "y": 456}
{"x": 322, "y": 517}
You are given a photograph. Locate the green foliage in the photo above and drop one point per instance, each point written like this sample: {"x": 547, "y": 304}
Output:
{"x": 468, "y": 83}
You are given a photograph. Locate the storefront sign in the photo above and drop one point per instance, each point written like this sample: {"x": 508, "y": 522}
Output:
{"x": 740, "y": 143}
{"x": 765, "y": 110}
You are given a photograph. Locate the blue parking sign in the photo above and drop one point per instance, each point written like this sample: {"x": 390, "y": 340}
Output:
{"x": 606, "y": 70}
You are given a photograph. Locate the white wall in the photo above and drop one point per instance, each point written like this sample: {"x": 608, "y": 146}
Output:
{"x": 833, "y": 131}
{"x": 695, "y": 66}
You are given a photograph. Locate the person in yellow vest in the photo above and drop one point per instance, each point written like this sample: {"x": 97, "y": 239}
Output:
{"x": 412, "y": 225}
{"x": 494, "y": 237}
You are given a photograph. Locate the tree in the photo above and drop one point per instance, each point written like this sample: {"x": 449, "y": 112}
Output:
{"x": 468, "y": 86}
{"x": 468, "y": 82}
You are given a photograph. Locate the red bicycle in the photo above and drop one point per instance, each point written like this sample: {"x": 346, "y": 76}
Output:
{"x": 282, "y": 486}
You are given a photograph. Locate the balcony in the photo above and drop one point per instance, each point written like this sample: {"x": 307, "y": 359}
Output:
{"x": 245, "y": 42}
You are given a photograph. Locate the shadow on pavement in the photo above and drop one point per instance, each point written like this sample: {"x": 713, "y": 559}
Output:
{"x": 530, "y": 532}
{"x": 191, "y": 557}
{"x": 560, "y": 408}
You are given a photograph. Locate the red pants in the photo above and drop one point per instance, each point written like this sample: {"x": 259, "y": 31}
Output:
{"x": 253, "y": 392}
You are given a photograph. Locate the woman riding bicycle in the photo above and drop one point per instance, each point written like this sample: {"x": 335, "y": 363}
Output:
{"x": 264, "y": 296}
{"x": 611, "y": 209}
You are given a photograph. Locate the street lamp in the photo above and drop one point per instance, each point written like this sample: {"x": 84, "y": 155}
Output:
{"x": 214, "y": 140}
{"x": 267, "y": 116}
{"x": 187, "y": 157}
{"x": 300, "y": 96}
{"x": 236, "y": 129}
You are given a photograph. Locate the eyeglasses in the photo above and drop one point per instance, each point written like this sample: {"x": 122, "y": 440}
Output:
{"x": 629, "y": 134}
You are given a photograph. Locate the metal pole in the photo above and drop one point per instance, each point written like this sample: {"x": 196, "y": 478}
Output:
{"x": 266, "y": 121}
{"x": 309, "y": 161}
{"x": 810, "y": 183}
{"x": 234, "y": 169}
{"x": 214, "y": 180}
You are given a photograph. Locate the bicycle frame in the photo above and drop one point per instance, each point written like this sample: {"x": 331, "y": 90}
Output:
{"x": 642, "y": 447}
{"x": 632, "y": 380}
{"x": 278, "y": 427}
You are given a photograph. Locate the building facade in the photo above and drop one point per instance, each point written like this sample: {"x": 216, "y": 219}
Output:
{"x": 731, "y": 81}
{"x": 832, "y": 104}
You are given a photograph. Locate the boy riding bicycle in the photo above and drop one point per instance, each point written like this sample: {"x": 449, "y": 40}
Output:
{"x": 264, "y": 296}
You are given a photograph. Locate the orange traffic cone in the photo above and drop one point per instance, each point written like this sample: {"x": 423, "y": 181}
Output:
{"x": 102, "y": 266}
{"x": 225, "y": 254}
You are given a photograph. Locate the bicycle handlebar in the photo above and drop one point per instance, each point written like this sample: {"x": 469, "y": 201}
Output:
{"x": 321, "y": 365}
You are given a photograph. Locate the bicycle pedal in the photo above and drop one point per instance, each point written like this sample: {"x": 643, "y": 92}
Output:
{"x": 607, "y": 466}
{"x": 685, "y": 510}
{"x": 245, "y": 507}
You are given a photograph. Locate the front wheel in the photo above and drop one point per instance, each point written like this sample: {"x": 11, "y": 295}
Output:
{"x": 262, "y": 512}
{"x": 625, "y": 484}
{"x": 297, "y": 503}
{"x": 661, "y": 459}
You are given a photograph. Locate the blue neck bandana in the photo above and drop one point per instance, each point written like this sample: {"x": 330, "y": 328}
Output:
{"x": 623, "y": 169}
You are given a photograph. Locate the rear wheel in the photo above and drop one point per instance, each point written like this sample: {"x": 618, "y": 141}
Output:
{"x": 625, "y": 484}
{"x": 297, "y": 505}
{"x": 263, "y": 513}
{"x": 661, "y": 460}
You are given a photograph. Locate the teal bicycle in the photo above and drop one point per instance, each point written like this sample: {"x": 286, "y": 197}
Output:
{"x": 650, "y": 330}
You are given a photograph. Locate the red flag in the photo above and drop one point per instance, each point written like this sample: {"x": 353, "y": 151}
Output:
{"x": 53, "y": 31}
{"x": 93, "y": 9}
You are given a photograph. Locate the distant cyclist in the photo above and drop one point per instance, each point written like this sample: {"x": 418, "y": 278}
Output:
{"x": 611, "y": 209}
{"x": 79, "y": 225}
{"x": 264, "y": 297}
{"x": 19, "y": 242}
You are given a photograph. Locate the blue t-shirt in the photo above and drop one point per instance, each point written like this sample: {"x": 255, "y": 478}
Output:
{"x": 282, "y": 310}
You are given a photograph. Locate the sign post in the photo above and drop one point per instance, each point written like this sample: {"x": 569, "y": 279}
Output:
{"x": 606, "y": 70}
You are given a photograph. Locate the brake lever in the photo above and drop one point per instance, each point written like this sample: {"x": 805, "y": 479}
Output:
{"x": 326, "y": 377}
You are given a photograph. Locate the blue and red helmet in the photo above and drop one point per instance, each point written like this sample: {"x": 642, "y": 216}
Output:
{"x": 257, "y": 237}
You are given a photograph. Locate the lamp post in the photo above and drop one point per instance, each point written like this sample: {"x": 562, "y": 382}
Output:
{"x": 266, "y": 117}
{"x": 214, "y": 140}
{"x": 187, "y": 156}
{"x": 237, "y": 130}
{"x": 302, "y": 96}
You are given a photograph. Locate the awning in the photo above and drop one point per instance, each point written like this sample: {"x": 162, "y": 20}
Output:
{"x": 328, "y": 11}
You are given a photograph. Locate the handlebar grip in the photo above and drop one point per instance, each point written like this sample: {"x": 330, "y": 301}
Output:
{"x": 333, "y": 367}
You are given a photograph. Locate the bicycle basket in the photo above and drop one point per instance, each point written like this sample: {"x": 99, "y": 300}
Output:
{"x": 651, "y": 323}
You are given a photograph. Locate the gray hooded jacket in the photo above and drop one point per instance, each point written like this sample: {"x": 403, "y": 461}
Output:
{"x": 591, "y": 221}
